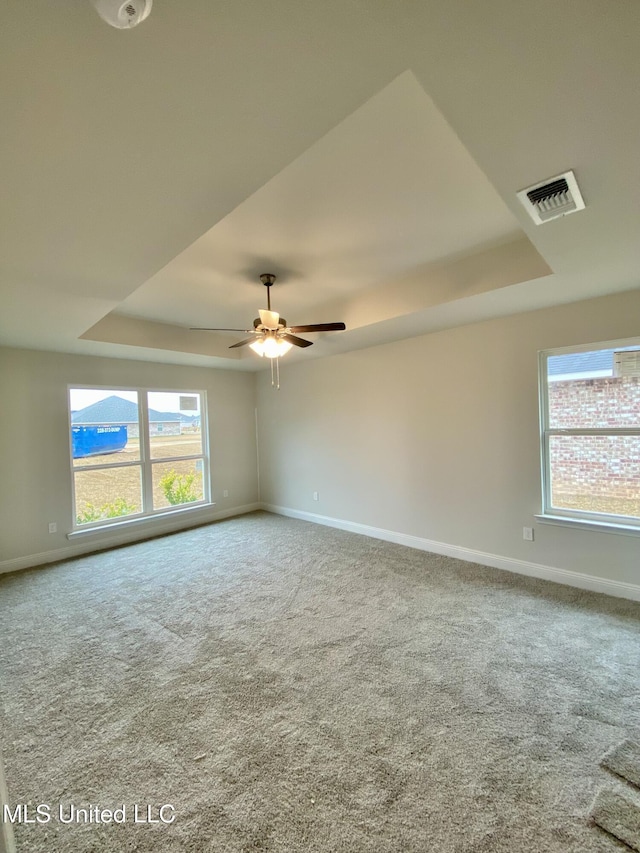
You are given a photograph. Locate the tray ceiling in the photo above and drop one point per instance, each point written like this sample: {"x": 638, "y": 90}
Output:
{"x": 368, "y": 157}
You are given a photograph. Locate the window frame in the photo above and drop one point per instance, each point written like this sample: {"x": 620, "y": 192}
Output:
{"x": 563, "y": 515}
{"x": 145, "y": 462}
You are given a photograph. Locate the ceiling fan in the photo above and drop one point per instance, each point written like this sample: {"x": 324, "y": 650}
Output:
{"x": 271, "y": 335}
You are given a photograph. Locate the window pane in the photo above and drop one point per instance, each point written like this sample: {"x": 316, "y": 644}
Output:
{"x": 177, "y": 483}
{"x": 104, "y": 426}
{"x": 174, "y": 424}
{"x": 596, "y": 473}
{"x": 584, "y": 393}
{"x": 107, "y": 493}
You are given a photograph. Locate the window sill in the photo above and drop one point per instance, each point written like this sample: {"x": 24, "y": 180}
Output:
{"x": 588, "y": 524}
{"x": 146, "y": 521}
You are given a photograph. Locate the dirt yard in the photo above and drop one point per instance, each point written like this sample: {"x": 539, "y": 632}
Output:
{"x": 611, "y": 505}
{"x": 110, "y": 485}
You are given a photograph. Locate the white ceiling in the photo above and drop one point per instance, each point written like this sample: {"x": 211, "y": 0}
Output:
{"x": 369, "y": 154}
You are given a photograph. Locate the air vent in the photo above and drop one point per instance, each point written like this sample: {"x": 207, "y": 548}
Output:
{"x": 552, "y": 198}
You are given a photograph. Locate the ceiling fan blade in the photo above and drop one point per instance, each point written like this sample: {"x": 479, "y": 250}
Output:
{"x": 203, "y": 329}
{"x": 320, "y": 327}
{"x": 297, "y": 342}
{"x": 243, "y": 343}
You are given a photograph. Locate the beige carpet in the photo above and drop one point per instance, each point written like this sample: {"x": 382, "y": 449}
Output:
{"x": 617, "y": 810}
{"x": 619, "y": 815}
{"x": 289, "y": 687}
{"x": 624, "y": 760}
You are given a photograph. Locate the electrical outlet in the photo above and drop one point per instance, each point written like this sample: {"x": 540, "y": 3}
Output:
{"x": 225, "y": 494}
{"x": 53, "y": 527}
{"x": 315, "y": 496}
{"x": 527, "y": 533}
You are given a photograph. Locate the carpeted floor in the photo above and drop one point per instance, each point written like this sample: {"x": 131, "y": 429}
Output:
{"x": 290, "y": 687}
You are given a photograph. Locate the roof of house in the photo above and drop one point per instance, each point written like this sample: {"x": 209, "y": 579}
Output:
{"x": 587, "y": 363}
{"x": 117, "y": 410}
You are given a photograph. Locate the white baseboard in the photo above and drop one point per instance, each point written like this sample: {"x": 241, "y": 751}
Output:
{"x": 509, "y": 564}
{"x": 113, "y": 538}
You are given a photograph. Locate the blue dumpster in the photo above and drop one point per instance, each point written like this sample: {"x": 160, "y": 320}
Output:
{"x": 95, "y": 440}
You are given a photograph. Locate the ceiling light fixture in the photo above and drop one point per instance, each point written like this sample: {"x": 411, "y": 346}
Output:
{"x": 272, "y": 337}
{"x": 270, "y": 345}
{"x": 123, "y": 15}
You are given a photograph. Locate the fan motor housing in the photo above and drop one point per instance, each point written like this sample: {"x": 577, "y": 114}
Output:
{"x": 258, "y": 322}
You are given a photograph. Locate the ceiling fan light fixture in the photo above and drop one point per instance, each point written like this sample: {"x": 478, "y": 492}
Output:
{"x": 284, "y": 347}
{"x": 273, "y": 337}
{"x": 270, "y": 346}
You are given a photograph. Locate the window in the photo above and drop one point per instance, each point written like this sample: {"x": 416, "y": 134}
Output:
{"x": 590, "y": 430}
{"x": 136, "y": 453}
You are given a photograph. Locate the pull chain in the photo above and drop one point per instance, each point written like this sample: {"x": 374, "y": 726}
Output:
{"x": 275, "y": 375}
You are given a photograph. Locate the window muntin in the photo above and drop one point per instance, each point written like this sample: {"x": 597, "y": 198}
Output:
{"x": 136, "y": 453}
{"x": 590, "y": 426}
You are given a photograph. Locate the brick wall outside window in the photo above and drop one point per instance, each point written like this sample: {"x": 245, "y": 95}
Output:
{"x": 595, "y": 473}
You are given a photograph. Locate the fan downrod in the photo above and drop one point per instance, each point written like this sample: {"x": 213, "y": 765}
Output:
{"x": 268, "y": 278}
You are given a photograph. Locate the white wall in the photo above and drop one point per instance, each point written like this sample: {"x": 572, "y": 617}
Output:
{"x": 437, "y": 437}
{"x": 34, "y": 460}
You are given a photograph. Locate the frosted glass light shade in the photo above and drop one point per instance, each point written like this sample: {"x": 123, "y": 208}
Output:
{"x": 275, "y": 347}
{"x": 272, "y": 347}
{"x": 270, "y": 319}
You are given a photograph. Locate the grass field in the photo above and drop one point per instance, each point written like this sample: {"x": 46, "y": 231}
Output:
{"x": 112, "y": 484}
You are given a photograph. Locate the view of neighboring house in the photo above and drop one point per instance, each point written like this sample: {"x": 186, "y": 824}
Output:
{"x": 580, "y": 365}
{"x": 593, "y": 471}
{"x": 585, "y": 391}
{"x": 117, "y": 410}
